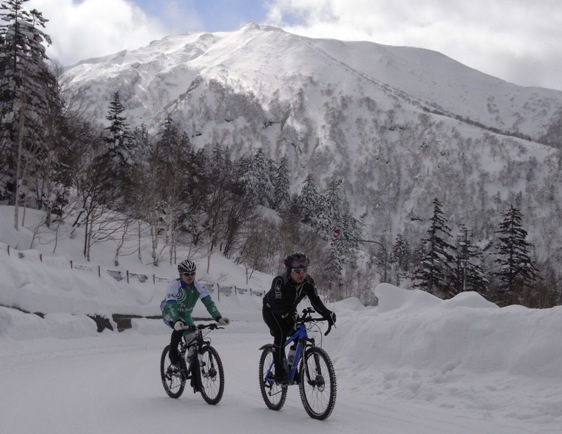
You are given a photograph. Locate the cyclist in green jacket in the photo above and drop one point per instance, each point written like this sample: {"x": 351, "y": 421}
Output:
{"x": 181, "y": 296}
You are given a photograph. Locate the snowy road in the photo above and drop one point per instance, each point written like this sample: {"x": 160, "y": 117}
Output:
{"x": 111, "y": 384}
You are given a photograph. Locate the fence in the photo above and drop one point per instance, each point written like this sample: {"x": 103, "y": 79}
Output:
{"x": 141, "y": 277}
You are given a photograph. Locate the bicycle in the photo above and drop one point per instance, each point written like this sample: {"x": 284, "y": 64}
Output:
{"x": 199, "y": 362}
{"x": 312, "y": 369}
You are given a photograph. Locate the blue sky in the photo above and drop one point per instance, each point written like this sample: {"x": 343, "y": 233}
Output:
{"x": 212, "y": 15}
{"x": 515, "y": 40}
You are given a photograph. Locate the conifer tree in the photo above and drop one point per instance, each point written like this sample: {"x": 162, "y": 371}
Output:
{"x": 281, "y": 187}
{"x": 118, "y": 158}
{"x": 310, "y": 202}
{"x": 256, "y": 179}
{"x": 434, "y": 272}
{"x": 331, "y": 213}
{"x": 26, "y": 91}
{"x": 118, "y": 138}
{"x": 400, "y": 257}
{"x": 469, "y": 274}
{"x": 516, "y": 268}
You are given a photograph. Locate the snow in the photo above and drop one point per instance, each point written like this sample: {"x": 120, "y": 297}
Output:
{"x": 412, "y": 364}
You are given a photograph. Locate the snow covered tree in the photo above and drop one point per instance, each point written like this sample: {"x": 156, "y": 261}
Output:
{"x": 331, "y": 212}
{"x": 118, "y": 138}
{"x": 174, "y": 165}
{"x": 281, "y": 187}
{"x": 118, "y": 158}
{"x": 433, "y": 272}
{"x": 469, "y": 274}
{"x": 310, "y": 203}
{"x": 400, "y": 257}
{"x": 516, "y": 268}
{"x": 26, "y": 95}
{"x": 255, "y": 178}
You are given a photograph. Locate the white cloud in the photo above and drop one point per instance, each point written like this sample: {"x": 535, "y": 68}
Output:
{"x": 92, "y": 28}
{"x": 511, "y": 39}
{"x": 514, "y": 40}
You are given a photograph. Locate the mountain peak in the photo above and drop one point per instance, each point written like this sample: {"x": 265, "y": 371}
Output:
{"x": 398, "y": 124}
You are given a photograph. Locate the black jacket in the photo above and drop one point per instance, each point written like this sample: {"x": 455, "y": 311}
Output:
{"x": 285, "y": 295}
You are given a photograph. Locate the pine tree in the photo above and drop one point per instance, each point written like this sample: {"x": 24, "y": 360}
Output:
{"x": 256, "y": 179}
{"x": 118, "y": 159}
{"x": 331, "y": 213}
{"x": 119, "y": 138}
{"x": 469, "y": 274}
{"x": 400, "y": 256}
{"x": 516, "y": 268}
{"x": 310, "y": 203}
{"x": 281, "y": 187}
{"x": 433, "y": 273}
{"x": 176, "y": 173}
{"x": 26, "y": 90}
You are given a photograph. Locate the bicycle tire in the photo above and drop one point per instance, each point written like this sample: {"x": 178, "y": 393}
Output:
{"x": 273, "y": 394}
{"x": 211, "y": 375}
{"x": 172, "y": 378}
{"x": 318, "y": 388}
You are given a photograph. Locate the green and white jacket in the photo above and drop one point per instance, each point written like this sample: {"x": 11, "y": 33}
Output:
{"x": 180, "y": 300}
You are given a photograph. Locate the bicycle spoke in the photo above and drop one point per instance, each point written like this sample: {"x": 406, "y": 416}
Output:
{"x": 318, "y": 390}
{"x": 273, "y": 394}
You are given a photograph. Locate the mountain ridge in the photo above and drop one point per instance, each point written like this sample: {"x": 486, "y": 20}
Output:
{"x": 399, "y": 125}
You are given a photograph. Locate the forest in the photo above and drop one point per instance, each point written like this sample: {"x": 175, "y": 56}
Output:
{"x": 120, "y": 180}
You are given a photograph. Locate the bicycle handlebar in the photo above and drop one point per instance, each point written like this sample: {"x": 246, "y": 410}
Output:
{"x": 211, "y": 326}
{"x": 306, "y": 317}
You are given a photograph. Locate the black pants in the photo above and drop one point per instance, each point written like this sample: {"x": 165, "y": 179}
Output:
{"x": 174, "y": 342}
{"x": 280, "y": 329}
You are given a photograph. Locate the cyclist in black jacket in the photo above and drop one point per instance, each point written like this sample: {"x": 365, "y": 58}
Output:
{"x": 281, "y": 301}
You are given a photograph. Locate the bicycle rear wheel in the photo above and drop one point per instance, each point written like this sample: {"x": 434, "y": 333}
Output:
{"x": 274, "y": 394}
{"x": 211, "y": 375}
{"x": 317, "y": 383}
{"x": 172, "y": 378}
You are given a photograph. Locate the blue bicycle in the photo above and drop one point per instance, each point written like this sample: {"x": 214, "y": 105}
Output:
{"x": 308, "y": 365}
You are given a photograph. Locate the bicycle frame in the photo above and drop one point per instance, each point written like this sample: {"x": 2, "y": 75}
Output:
{"x": 312, "y": 369}
{"x": 302, "y": 340}
{"x": 196, "y": 340}
{"x": 203, "y": 366}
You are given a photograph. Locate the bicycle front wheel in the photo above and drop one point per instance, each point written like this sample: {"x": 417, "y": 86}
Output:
{"x": 172, "y": 378}
{"x": 317, "y": 383}
{"x": 211, "y": 375}
{"x": 274, "y": 394}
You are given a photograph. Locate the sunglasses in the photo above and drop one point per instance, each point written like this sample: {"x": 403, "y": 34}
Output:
{"x": 298, "y": 270}
{"x": 188, "y": 274}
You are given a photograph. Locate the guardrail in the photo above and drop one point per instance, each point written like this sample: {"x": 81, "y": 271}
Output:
{"x": 119, "y": 275}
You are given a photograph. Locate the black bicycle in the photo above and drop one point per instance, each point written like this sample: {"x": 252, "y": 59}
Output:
{"x": 308, "y": 365}
{"x": 199, "y": 362}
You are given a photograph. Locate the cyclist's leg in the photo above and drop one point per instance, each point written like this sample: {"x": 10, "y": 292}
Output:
{"x": 174, "y": 343}
{"x": 279, "y": 329}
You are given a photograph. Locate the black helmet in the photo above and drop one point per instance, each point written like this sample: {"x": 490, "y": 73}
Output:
{"x": 296, "y": 260}
{"x": 186, "y": 266}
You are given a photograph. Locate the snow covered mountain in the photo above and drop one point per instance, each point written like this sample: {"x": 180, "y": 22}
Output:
{"x": 400, "y": 126}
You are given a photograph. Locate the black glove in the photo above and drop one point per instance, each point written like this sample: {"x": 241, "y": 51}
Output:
{"x": 330, "y": 317}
